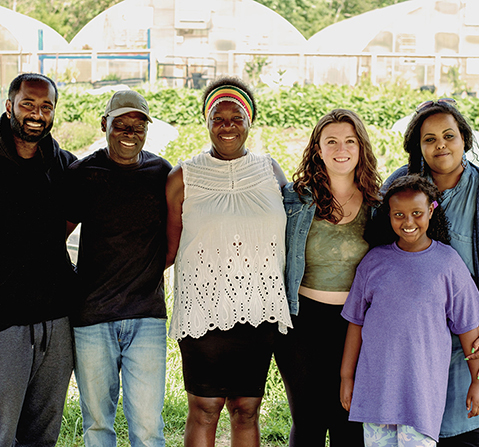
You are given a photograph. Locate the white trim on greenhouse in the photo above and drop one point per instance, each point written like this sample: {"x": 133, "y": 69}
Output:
{"x": 23, "y": 33}
{"x": 430, "y": 44}
{"x": 424, "y": 42}
{"x": 189, "y": 37}
{"x": 21, "y": 37}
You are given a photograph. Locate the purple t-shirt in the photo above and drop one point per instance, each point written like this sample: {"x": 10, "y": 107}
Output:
{"x": 407, "y": 302}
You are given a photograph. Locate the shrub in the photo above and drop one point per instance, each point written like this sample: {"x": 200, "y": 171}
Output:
{"x": 297, "y": 107}
{"x": 76, "y": 135}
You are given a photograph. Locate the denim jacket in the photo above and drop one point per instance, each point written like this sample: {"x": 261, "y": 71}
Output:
{"x": 299, "y": 218}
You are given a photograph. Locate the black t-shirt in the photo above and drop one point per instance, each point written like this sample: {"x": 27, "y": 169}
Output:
{"x": 123, "y": 236}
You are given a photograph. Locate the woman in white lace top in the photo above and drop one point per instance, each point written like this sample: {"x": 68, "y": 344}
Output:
{"x": 226, "y": 236}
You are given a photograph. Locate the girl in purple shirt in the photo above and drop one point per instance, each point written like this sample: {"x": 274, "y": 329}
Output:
{"x": 409, "y": 292}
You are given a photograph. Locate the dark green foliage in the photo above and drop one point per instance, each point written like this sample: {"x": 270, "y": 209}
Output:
{"x": 311, "y": 16}
{"x": 298, "y": 107}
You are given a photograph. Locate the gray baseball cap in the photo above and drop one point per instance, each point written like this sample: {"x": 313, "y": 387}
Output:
{"x": 125, "y": 101}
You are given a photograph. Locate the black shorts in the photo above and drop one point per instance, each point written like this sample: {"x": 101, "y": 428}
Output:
{"x": 231, "y": 363}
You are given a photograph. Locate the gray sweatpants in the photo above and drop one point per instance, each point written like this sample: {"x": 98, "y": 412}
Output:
{"x": 35, "y": 367}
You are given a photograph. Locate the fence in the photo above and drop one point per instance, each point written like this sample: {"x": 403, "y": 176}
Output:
{"x": 445, "y": 73}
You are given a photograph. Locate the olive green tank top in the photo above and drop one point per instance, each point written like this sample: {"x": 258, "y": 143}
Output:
{"x": 333, "y": 252}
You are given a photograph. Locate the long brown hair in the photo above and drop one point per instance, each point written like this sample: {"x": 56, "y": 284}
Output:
{"x": 312, "y": 174}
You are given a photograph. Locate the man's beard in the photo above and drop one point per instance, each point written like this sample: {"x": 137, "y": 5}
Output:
{"x": 19, "y": 131}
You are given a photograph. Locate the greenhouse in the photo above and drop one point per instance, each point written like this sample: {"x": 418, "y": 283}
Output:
{"x": 190, "y": 41}
{"x": 428, "y": 43}
{"x": 21, "y": 38}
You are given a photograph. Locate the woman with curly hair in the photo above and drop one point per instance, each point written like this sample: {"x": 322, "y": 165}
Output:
{"x": 327, "y": 206}
{"x": 226, "y": 228}
{"x": 406, "y": 298}
{"x": 437, "y": 139}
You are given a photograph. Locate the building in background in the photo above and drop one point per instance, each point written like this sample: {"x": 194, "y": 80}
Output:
{"x": 21, "y": 37}
{"x": 428, "y": 43}
{"x": 191, "y": 41}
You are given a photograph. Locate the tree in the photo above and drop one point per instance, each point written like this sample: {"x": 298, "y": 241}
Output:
{"x": 311, "y": 16}
{"x": 67, "y": 17}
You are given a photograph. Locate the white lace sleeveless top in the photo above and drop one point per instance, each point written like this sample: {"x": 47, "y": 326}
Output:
{"x": 231, "y": 258}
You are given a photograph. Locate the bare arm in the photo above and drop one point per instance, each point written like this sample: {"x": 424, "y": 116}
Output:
{"x": 472, "y": 400}
{"x": 278, "y": 172}
{"x": 352, "y": 346}
{"x": 474, "y": 355}
{"x": 175, "y": 195}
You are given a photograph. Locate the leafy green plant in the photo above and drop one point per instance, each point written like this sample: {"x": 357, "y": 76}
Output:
{"x": 454, "y": 77}
{"x": 284, "y": 145}
{"x": 275, "y": 413}
{"x": 76, "y": 135}
{"x": 255, "y": 66}
{"x": 70, "y": 74}
{"x": 387, "y": 146}
{"x": 71, "y": 429}
{"x": 296, "y": 107}
{"x": 111, "y": 77}
{"x": 192, "y": 139}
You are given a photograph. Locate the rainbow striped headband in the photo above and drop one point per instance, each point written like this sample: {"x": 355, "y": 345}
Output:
{"x": 232, "y": 94}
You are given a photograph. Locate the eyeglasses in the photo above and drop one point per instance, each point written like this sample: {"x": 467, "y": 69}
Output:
{"x": 120, "y": 127}
{"x": 426, "y": 104}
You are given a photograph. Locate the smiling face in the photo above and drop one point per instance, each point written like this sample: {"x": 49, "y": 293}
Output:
{"x": 228, "y": 126}
{"x": 442, "y": 146}
{"x": 339, "y": 149}
{"x": 409, "y": 214}
{"x": 32, "y": 111}
{"x": 126, "y": 136}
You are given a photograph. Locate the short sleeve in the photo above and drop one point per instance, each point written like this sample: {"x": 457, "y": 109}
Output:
{"x": 356, "y": 305}
{"x": 462, "y": 309}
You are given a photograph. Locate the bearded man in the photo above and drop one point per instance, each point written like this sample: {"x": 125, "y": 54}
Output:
{"x": 36, "y": 276}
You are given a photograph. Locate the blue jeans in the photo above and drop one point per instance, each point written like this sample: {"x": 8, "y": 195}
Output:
{"x": 137, "y": 348}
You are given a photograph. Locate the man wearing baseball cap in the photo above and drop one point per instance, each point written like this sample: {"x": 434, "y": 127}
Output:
{"x": 118, "y": 195}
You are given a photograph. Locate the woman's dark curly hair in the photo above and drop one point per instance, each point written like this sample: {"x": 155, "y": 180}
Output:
{"x": 312, "y": 174}
{"x": 235, "y": 82}
{"x": 380, "y": 231}
{"x": 412, "y": 136}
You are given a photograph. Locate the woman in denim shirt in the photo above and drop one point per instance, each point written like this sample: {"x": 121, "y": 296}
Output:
{"x": 327, "y": 207}
{"x": 437, "y": 139}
